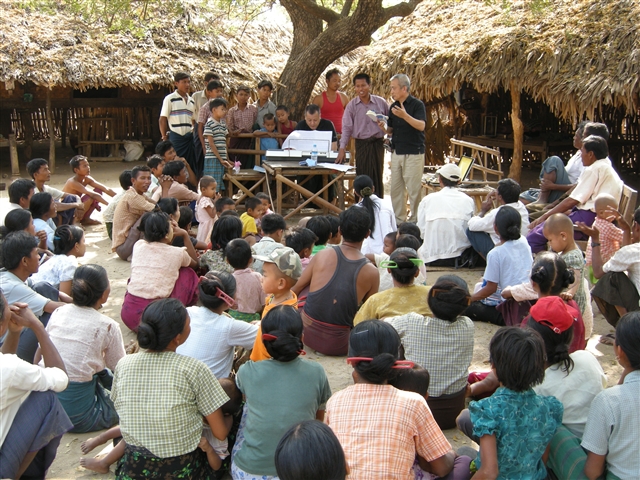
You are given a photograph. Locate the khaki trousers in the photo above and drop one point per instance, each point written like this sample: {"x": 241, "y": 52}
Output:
{"x": 406, "y": 178}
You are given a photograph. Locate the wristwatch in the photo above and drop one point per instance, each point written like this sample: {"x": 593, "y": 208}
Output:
{"x": 595, "y": 244}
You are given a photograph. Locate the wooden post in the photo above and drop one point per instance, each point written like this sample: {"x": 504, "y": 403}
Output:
{"x": 63, "y": 127}
{"x": 52, "y": 133}
{"x": 518, "y": 134}
{"x": 13, "y": 154}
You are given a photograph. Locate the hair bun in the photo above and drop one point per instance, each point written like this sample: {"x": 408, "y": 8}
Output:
{"x": 147, "y": 337}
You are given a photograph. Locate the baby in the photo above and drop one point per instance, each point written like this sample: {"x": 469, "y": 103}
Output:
{"x": 610, "y": 235}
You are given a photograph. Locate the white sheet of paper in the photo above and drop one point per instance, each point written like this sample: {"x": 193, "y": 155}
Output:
{"x": 336, "y": 166}
{"x": 305, "y": 140}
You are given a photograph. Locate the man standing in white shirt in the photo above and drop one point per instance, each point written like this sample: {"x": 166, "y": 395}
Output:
{"x": 443, "y": 229}
{"x": 481, "y": 233}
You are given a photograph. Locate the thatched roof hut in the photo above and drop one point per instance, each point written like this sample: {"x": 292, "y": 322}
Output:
{"x": 576, "y": 56}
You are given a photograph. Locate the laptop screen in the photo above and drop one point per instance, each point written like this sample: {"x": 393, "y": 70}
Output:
{"x": 465, "y": 164}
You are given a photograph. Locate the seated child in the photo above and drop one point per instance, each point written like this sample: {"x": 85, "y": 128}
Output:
{"x": 205, "y": 208}
{"x": 513, "y": 441}
{"x": 107, "y": 215}
{"x": 322, "y": 228}
{"x": 611, "y": 237}
{"x": 302, "y": 241}
{"x": 272, "y": 227}
{"x": 156, "y": 164}
{"x": 223, "y": 204}
{"x": 266, "y": 202}
{"x": 285, "y": 126}
{"x": 215, "y": 135}
{"x": 267, "y": 134}
{"x": 184, "y": 222}
{"x": 255, "y": 209}
{"x": 391, "y": 242}
{"x": 249, "y": 294}
{"x": 168, "y": 153}
{"x": 336, "y": 237}
{"x": 79, "y": 185}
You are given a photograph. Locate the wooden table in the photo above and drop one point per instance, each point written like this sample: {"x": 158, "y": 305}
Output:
{"x": 283, "y": 170}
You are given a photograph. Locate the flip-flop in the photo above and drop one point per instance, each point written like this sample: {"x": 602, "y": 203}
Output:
{"x": 608, "y": 339}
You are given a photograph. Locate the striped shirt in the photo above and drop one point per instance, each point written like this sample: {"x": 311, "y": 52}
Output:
{"x": 219, "y": 133}
{"x": 179, "y": 112}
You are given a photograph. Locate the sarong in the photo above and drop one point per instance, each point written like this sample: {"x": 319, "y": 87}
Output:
{"x": 369, "y": 161}
{"x": 326, "y": 338}
{"x": 185, "y": 290}
{"x": 245, "y": 317}
{"x": 446, "y": 408}
{"x": 37, "y": 427}
{"x": 95, "y": 205}
{"x": 198, "y": 154}
{"x": 66, "y": 217}
{"x": 88, "y": 404}
{"x": 183, "y": 145}
{"x": 140, "y": 463}
{"x": 615, "y": 288}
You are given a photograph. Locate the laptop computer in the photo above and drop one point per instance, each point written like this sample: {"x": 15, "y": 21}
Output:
{"x": 465, "y": 164}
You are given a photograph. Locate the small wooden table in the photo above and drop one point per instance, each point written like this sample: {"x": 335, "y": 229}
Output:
{"x": 282, "y": 170}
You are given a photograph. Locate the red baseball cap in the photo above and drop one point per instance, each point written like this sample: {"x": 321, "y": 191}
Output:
{"x": 554, "y": 313}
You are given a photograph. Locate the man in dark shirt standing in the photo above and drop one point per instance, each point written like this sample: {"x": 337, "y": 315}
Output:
{"x": 406, "y": 126}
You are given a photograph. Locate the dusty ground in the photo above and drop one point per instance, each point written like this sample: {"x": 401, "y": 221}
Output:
{"x": 67, "y": 464}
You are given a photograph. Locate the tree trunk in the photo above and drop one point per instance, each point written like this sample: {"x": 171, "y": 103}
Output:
{"x": 518, "y": 134}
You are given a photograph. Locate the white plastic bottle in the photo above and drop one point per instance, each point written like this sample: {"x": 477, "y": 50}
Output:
{"x": 314, "y": 155}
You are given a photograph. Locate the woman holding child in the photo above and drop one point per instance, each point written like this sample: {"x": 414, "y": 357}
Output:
{"x": 383, "y": 220}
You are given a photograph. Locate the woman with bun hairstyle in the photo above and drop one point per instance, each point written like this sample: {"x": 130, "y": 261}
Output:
{"x": 90, "y": 345}
{"x": 58, "y": 271}
{"x": 162, "y": 397}
{"x": 383, "y": 220}
{"x": 380, "y": 428}
{"x": 215, "y": 334}
{"x": 158, "y": 269}
{"x": 279, "y": 392}
{"x": 508, "y": 263}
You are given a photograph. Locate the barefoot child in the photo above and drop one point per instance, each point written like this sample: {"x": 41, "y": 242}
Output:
{"x": 205, "y": 208}
{"x": 79, "y": 185}
{"x": 215, "y": 135}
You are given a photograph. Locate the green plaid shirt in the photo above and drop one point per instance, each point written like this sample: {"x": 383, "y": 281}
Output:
{"x": 161, "y": 398}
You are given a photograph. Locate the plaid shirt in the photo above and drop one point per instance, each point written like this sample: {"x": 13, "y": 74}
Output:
{"x": 610, "y": 240}
{"x": 130, "y": 208}
{"x": 161, "y": 398}
{"x": 242, "y": 120}
{"x": 444, "y": 348}
{"x": 381, "y": 429}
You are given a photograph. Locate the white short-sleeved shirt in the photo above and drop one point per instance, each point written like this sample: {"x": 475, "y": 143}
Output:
{"x": 19, "y": 379}
{"x": 575, "y": 390}
{"x": 485, "y": 224}
{"x": 613, "y": 425}
{"x": 627, "y": 259}
{"x": 40, "y": 224}
{"x": 58, "y": 269}
{"x": 600, "y": 177}
{"x": 574, "y": 167}
{"x": 508, "y": 264}
{"x": 179, "y": 112}
{"x": 385, "y": 223}
{"x": 109, "y": 212}
{"x": 15, "y": 290}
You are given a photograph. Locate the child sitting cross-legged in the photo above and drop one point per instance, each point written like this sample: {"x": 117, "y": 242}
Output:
{"x": 205, "y": 208}
{"x": 249, "y": 293}
{"x": 255, "y": 210}
{"x": 272, "y": 227}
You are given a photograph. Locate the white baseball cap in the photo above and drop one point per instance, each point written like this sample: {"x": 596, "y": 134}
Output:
{"x": 450, "y": 171}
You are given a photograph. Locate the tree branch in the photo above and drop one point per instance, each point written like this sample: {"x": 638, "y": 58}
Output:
{"x": 319, "y": 11}
{"x": 346, "y": 8}
{"x": 400, "y": 10}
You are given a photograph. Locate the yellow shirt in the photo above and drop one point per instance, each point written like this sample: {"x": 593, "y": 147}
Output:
{"x": 394, "y": 302}
{"x": 248, "y": 224}
{"x": 259, "y": 351}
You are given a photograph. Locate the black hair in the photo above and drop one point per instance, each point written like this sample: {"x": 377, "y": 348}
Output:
{"x": 214, "y": 85}
{"x": 65, "y": 238}
{"x": 154, "y": 160}
{"x": 238, "y": 253}
{"x": 556, "y": 345}
{"x": 20, "y": 188}
{"x": 16, "y": 246}
{"x": 597, "y": 145}
{"x": 380, "y": 342}
{"x": 217, "y": 102}
{"x": 234, "y": 404}
{"x": 135, "y": 171}
{"x": 262, "y": 195}
{"x": 207, "y": 180}
{"x": 15, "y": 221}
{"x": 252, "y": 203}
{"x": 168, "y": 205}
{"x": 310, "y": 450}
{"x": 636, "y": 216}
{"x": 163, "y": 147}
{"x": 224, "y": 230}
{"x": 628, "y": 337}
{"x": 363, "y": 188}
{"x": 311, "y": 109}
{"x": 406, "y": 240}
{"x": 75, "y": 161}
{"x": 269, "y": 116}
{"x": 272, "y": 223}
{"x": 446, "y": 182}
{"x": 282, "y": 107}
{"x": 40, "y": 204}
{"x": 509, "y": 190}
{"x": 230, "y": 213}
{"x": 89, "y": 284}
{"x": 416, "y": 380}
{"x": 265, "y": 83}
{"x": 186, "y": 217}
{"x": 551, "y": 274}
{"x": 125, "y": 177}
{"x": 517, "y": 355}
{"x": 210, "y": 284}
{"x": 392, "y": 237}
{"x": 221, "y": 202}
{"x": 354, "y": 224}
{"x": 161, "y": 322}
{"x": 449, "y": 297}
{"x": 597, "y": 129}
{"x": 406, "y": 271}
{"x": 410, "y": 228}
{"x": 211, "y": 76}
{"x": 331, "y": 73}
{"x": 173, "y": 168}
{"x": 243, "y": 88}
{"x": 334, "y": 222}
{"x": 34, "y": 165}
{"x": 362, "y": 76}
{"x": 284, "y": 323}
{"x": 321, "y": 227}
{"x": 508, "y": 222}
{"x": 155, "y": 226}
{"x": 180, "y": 76}
{"x": 300, "y": 238}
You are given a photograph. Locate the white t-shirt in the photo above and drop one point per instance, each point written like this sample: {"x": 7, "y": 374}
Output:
{"x": 576, "y": 390}
{"x": 508, "y": 264}
{"x": 626, "y": 259}
{"x": 574, "y": 167}
{"x": 485, "y": 224}
{"x": 109, "y": 212}
{"x": 179, "y": 112}
{"x": 58, "y": 269}
{"x": 385, "y": 224}
{"x": 600, "y": 177}
{"x": 40, "y": 224}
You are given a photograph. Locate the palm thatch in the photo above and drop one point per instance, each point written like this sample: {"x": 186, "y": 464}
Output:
{"x": 59, "y": 49}
{"x": 573, "y": 55}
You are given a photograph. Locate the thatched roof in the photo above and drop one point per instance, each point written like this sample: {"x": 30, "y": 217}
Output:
{"x": 59, "y": 49}
{"x": 573, "y": 55}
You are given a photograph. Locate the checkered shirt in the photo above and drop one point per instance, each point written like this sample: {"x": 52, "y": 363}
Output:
{"x": 610, "y": 240}
{"x": 161, "y": 398}
{"x": 445, "y": 349}
{"x": 242, "y": 119}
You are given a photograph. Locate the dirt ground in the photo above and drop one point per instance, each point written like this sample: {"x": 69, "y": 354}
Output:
{"x": 66, "y": 464}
